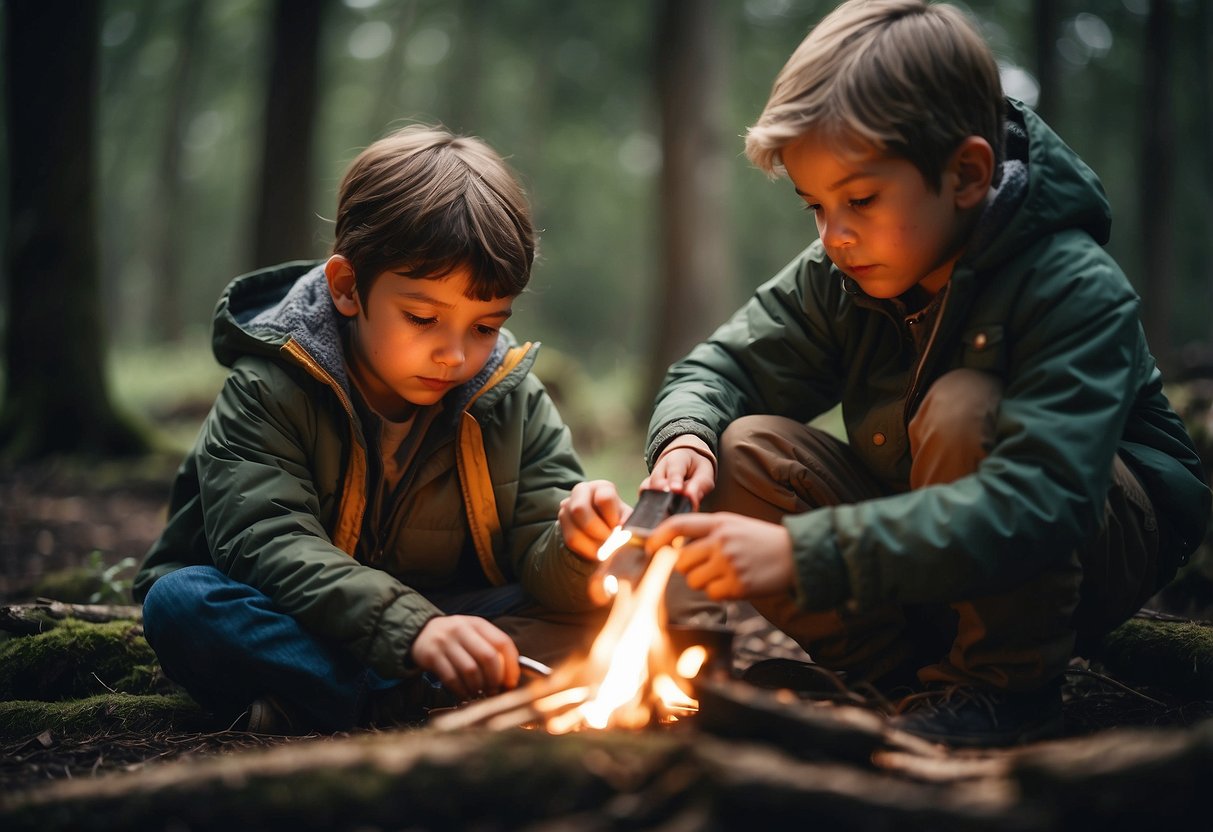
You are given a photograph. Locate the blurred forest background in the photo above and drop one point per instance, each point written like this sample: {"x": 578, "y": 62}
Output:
{"x": 157, "y": 148}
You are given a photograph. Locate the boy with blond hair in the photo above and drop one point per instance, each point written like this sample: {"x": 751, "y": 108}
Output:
{"x": 371, "y": 505}
{"x": 1014, "y": 483}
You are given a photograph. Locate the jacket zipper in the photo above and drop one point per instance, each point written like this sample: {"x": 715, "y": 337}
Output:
{"x": 912, "y": 391}
{"x": 305, "y": 359}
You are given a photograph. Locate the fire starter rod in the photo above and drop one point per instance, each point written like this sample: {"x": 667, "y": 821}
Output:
{"x": 527, "y": 663}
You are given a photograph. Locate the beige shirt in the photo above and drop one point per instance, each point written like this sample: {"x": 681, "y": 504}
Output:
{"x": 397, "y": 445}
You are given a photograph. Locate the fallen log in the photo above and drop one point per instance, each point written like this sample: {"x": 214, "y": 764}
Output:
{"x": 504, "y": 779}
{"x": 46, "y": 614}
{"x": 653, "y": 779}
{"x": 1175, "y": 655}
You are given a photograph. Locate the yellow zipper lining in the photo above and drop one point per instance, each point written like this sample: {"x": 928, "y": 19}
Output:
{"x": 353, "y": 497}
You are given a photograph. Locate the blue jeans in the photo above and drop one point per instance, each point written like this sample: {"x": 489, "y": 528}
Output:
{"x": 226, "y": 644}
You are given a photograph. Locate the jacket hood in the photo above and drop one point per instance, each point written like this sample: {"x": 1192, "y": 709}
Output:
{"x": 1043, "y": 188}
{"x": 260, "y": 312}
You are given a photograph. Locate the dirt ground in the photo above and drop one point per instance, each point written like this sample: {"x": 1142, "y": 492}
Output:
{"x": 52, "y": 517}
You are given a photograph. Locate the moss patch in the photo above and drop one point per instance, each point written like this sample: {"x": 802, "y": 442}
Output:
{"x": 77, "y": 660}
{"x": 99, "y": 715}
{"x": 1175, "y": 655}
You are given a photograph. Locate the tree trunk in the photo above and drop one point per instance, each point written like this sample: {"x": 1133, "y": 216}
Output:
{"x": 696, "y": 257}
{"x": 1204, "y": 83}
{"x": 1046, "y": 23}
{"x": 387, "y": 106}
{"x": 56, "y": 399}
{"x": 466, "y": 68}
{"x": 120, "y": 66}
{"x": 166, "y": 318}
{"x": 1157, "y": 189}
{"x": 283, "y": 226}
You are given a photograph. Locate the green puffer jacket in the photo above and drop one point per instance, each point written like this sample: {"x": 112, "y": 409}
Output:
{"x": 274, "y": 492}
{"x": 1035, "y": 300}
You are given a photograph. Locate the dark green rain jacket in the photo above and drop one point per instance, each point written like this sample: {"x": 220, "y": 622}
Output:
{"x": 1035, "y": 300}
{"x": 274, "y": 492}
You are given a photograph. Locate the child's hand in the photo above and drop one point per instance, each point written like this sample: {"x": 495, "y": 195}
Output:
{"x": 588, "y": 515}
{"x": 688, "y": 466}
{"x": 468, "y": 654}
{"x": 729, "y": 555}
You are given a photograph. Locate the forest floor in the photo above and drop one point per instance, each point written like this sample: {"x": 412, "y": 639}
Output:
{"x": 54, "y": 518}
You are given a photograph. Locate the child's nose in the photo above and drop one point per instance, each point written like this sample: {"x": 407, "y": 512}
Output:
{"x": 835, "y": 234}
{"x": 450, "y": 357}
{"x": 450, "y": 353}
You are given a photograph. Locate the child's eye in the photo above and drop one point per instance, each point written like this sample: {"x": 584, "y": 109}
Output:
{"x": 417, "y": 320}
{"x": 486, "y": 331}
{"x": 812, "y": 206}
{"x": 864, "y": 202}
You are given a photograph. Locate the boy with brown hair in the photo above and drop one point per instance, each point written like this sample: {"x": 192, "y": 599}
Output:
{"x": 375, "y": 492}
{"x": 1014, "y": 483}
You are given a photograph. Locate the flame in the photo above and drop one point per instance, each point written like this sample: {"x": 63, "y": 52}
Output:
{"x": 691, "y": 661}
{"x": 630, "y": 672}
{"x": 618, "y": 538}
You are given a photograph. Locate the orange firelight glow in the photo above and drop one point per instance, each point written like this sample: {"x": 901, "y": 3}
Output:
{"x": 630, "y": 675}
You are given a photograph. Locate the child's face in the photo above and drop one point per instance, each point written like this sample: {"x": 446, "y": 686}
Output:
{"x": 420, "y": 338}
{"x": 878, "y": 219}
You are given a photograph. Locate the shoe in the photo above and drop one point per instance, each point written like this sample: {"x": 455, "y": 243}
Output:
{"x": 269, "y": 716}
{"x": 975, "y": 716}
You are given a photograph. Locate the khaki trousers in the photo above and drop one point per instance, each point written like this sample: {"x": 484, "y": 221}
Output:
{"x": 770, "y": 466}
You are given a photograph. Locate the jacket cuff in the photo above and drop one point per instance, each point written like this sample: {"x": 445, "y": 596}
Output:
{"x": 821, "y": 574}
{"x": 679, "y": 427}
{"x": 402, "y": 621}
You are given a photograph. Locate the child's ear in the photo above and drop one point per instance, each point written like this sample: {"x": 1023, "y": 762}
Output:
{"x": 340, "y": 274}
{"x": 972, "y": 165}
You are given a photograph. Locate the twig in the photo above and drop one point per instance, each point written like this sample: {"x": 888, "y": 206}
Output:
{"x": 479, "y": 713}
{"x": 1110, "y": 682}
{"x": 103, "y": 684}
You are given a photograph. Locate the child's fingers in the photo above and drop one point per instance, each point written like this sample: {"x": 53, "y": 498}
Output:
{"x": 607, "y": 503}
{"x": 724, "y": 588}
{"x": 504, "y": 657}
{"x": 700, "y": 484}
{"x": 581, "y": 543}
{"x": 494, "y": 656}
{"x": 713, "y": 577}
{"x": 692, "y": 556}
{"x": 582, "y": 511}
{"x": 713, "y": 574}
{"x": 469, "y": 670}
{"x": 690, "y": 526}
{"x": 445, "y": 670}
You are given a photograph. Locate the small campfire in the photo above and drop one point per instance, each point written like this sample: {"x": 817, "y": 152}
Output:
{"x": 632, "y": 676}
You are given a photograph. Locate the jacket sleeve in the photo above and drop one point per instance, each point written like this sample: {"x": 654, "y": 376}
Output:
{"x": 262, "y": 520}
{"x": 548, "y": 469}
{"x": 777, "y": 354}
{"x": 1075, "y": 360}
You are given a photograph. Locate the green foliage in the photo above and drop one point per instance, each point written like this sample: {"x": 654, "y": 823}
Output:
{"x": 78, "y": 659}
{"x": 113, "y": 588}
{"x": 96, "y": 582}
{"x": 171, "y": 386}
{"x": 572, "y": 103}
